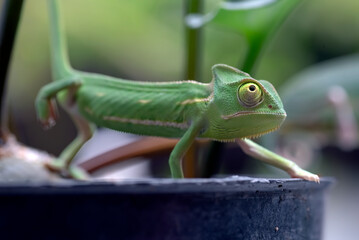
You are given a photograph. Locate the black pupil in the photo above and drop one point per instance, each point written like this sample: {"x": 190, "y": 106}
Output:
{"x": 252, "y": 88}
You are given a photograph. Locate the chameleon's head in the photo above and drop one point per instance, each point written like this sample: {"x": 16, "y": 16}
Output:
{"x": 245, "y": 107}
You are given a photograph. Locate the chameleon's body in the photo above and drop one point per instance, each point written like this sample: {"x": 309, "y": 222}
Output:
{"x": 166, "y": 105}
{"x": 232, "y": 106}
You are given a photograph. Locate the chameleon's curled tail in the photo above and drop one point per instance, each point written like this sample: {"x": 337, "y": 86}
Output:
{"x": 59, "y": 58}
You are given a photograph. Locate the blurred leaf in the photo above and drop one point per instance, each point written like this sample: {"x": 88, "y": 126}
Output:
{"x": 305, "y": 95}
{"x": 312, "y": 121}
{"x": 250, "y": 18}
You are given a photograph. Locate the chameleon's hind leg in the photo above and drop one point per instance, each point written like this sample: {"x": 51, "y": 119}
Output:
{"x": 63, "y": 162}
{"x": 260, "y": 153}
{"x": 45, "y": 109}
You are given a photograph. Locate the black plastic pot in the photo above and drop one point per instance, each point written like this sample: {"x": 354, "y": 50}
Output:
{"x": 229, "y": 208}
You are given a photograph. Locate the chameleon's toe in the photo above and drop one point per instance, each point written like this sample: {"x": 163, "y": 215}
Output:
{"x": 78, "y": 173}
{"x": 46, "y": 110}
{"x": 301, "y": 173}
{"x": 55, "y": 166}
{"x": 314, "y": 178}
{"x": 48, "y": 123}
{"x": 310, "y": 177}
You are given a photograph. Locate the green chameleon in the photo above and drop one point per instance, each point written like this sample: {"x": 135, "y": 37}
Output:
{"x": 233, "y": 106}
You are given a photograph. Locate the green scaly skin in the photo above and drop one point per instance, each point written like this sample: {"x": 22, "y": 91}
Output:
{"x": 233, "y": 106}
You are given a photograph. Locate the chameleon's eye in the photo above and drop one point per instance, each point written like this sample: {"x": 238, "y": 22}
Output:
{"x": 250, "y": 94}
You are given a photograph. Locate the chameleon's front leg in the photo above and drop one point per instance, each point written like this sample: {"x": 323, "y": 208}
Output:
{"x": 263, "y": 154}
{"x": 45, "y": 110}
{"x": 181, "y": 148}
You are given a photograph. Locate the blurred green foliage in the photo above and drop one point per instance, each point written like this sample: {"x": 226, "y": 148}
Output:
{"x": 255, "y": 21}
{"x": 143, "y": 40}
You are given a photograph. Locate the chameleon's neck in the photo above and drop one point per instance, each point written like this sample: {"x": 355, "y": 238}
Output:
{"x": 59, "y": 58}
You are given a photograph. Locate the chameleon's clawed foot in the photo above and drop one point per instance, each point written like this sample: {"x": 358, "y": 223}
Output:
{"x": 55, "y": 166}
{"x": 48, "y": 123}
{"x": 297, "y": 172}
{"x": 47, "y": 113}
{"x": 70, "y": 172}
{"x": 78, "y": 173}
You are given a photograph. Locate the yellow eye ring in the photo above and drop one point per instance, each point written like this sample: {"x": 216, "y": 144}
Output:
{"x": 250, "y": 94}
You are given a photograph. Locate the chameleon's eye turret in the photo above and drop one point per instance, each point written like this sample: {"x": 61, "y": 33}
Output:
{"x": 250, "y": 94}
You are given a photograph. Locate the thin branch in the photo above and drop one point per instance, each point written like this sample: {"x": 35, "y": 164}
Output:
{"x": 145, "y": 147}
{"x": 193, "y": 40}
{"x": 10, "y": 16}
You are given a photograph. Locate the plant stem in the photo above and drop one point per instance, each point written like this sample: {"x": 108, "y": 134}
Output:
{"x": 193, "y": 40}
{"x": 10, "y": 15}
{"x": 192, "y": 70}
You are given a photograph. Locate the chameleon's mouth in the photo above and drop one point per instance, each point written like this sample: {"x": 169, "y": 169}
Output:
{"x": 256, "y": 124}
{"x": 245, "y": 113}
{"x": 274, "y": 121}
{"x": 257, "y": 135}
